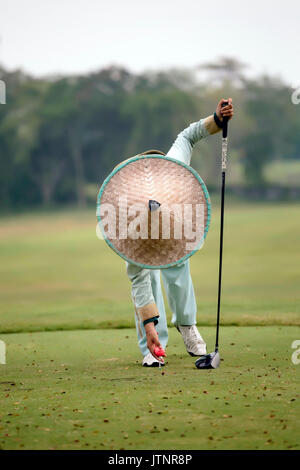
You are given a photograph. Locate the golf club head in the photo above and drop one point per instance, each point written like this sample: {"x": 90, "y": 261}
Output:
{"x": 209, "y": 361}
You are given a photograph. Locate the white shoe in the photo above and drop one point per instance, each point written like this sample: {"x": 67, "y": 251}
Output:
{"x": 194, "y": 343}
{"x": 151, "y": 361}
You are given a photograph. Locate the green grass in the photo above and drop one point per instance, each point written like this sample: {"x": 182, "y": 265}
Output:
{"x": 55, "y": 273}
{"x": 87, "y": 390}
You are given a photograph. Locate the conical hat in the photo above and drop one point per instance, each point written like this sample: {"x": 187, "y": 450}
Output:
{"x": 154, "y": 211}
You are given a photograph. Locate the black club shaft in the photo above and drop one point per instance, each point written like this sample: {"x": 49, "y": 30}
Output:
{"x": 224, "y": 156}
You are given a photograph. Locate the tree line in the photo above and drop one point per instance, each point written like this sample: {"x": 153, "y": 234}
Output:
{"x": 60, "y": 136}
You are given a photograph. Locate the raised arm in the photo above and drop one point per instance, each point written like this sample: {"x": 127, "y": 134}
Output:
{"x": 183, "y": 146}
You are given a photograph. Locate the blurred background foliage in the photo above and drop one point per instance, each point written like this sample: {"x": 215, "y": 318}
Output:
{"x": 61, "y": 136}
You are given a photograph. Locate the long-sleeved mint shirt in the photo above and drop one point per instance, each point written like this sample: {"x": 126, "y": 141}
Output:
{"x": 183, "y": 146}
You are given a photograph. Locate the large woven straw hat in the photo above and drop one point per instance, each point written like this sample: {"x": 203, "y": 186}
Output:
{"x": 153, "y": 210}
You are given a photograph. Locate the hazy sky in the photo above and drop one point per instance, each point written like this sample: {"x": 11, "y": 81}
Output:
{"x": 67, "y": 36}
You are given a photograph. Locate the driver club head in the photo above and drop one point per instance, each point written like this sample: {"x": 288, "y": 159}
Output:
{"x": 209, "y": 361}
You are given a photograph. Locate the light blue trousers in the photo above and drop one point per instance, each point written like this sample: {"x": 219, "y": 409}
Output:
{"x": 146, "y": 289}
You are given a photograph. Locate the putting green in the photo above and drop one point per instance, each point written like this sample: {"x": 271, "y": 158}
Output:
{"x": 87, "y": 390}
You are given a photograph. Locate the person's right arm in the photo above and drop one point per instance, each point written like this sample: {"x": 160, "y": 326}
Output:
{"x": 152, "y": 339}
{"x": 144, "y": 303}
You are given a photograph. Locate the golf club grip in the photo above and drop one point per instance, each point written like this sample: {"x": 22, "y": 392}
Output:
{"x": 225, "y": 121}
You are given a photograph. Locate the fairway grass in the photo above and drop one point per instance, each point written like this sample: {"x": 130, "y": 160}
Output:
{"x": 56, "y": 275}
{"x": 87, "y": 390}
{"x": 73, "y": 378}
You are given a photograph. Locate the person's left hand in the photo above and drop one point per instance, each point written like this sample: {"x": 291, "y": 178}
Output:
{"x": 226, "y": 111}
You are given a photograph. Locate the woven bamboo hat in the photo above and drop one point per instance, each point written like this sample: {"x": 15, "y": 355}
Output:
{"x": 153, "y": 210}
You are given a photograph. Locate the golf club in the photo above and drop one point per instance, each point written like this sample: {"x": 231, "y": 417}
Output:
{"x": 212, "y": 360}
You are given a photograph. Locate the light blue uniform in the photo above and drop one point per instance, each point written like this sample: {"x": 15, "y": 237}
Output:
{"x": 146, "y": 283}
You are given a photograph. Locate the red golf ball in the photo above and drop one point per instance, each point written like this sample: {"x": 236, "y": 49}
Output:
{"x": 159, "y": 351}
